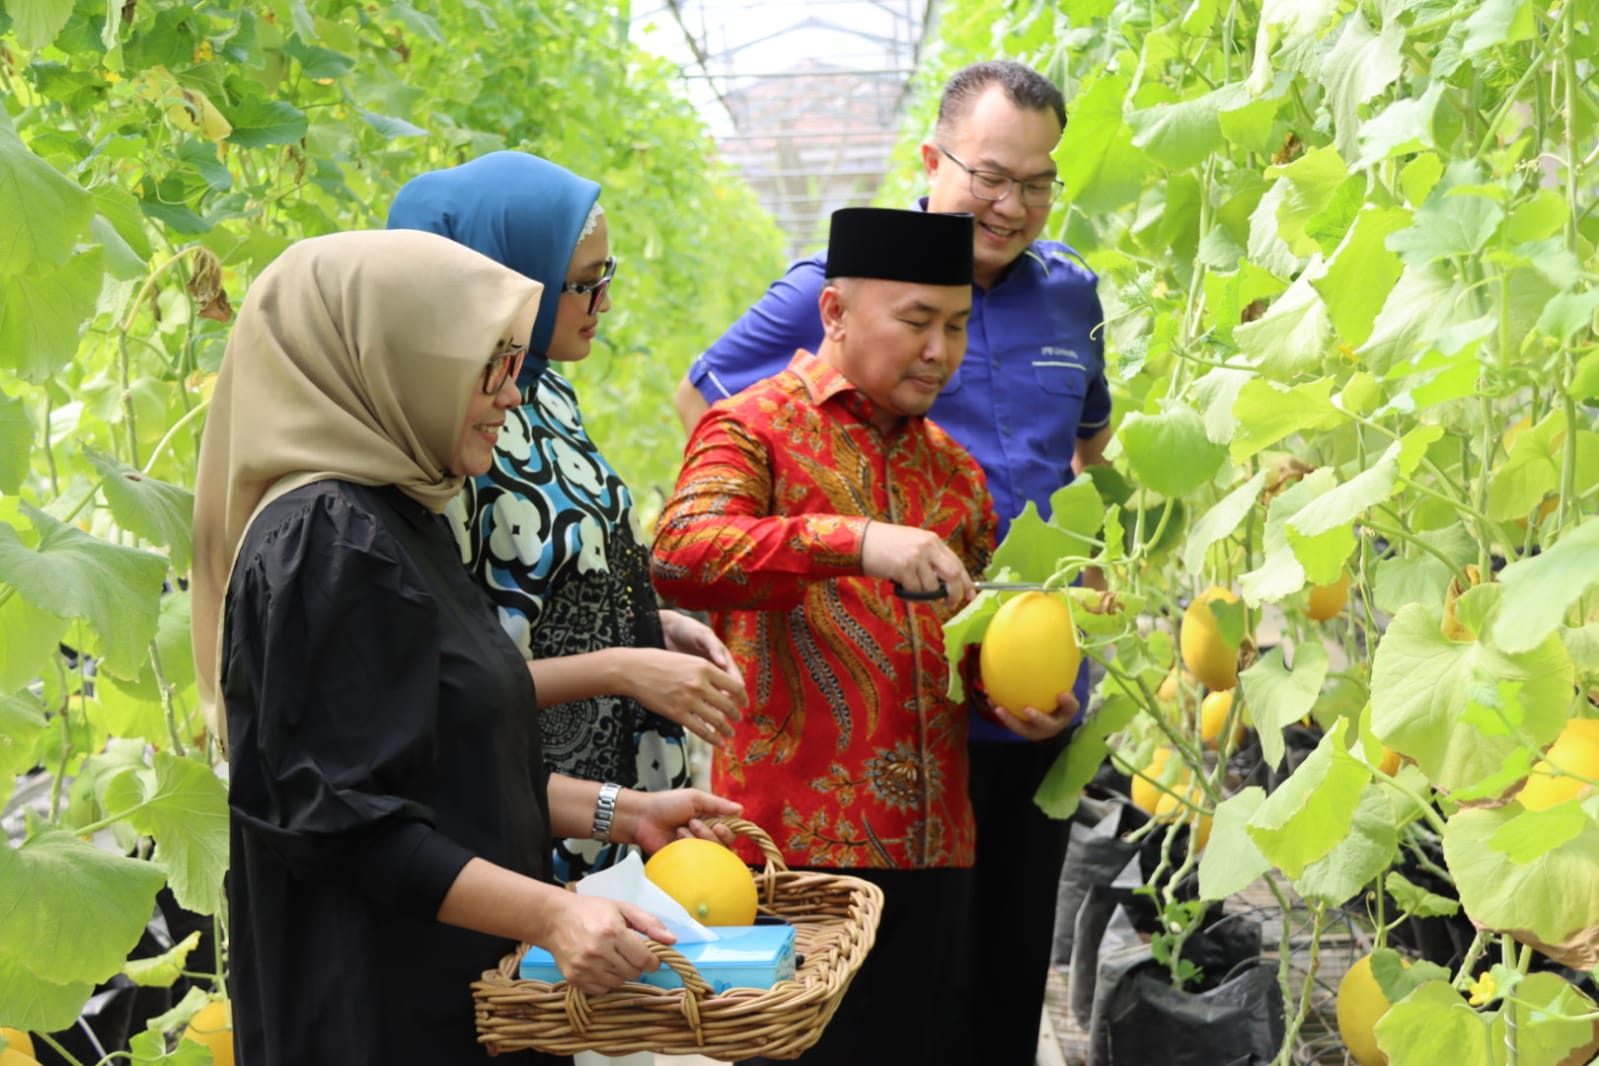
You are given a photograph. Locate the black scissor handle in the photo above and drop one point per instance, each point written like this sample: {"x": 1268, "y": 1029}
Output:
{"x": 932, "y": 594}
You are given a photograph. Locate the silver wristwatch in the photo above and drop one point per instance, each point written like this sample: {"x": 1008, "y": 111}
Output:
{"x": 605, "y": 810}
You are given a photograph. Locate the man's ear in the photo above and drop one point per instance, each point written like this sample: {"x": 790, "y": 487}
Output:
{"x": 930, "y": 159}
{"x": 833, "y": 305}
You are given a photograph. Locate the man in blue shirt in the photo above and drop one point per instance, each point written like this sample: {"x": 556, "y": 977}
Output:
{"x": 1032, "y": 405}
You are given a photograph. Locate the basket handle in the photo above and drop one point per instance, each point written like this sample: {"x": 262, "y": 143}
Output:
{"x": 745, "y": 828}
{"x": 579, "y": 1015}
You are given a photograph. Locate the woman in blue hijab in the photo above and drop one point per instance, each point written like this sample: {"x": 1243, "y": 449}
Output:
{"x": 550, "y": 532}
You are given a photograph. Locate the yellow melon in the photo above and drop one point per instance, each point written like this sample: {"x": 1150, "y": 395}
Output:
{"x": 707, "y": 879}
{"x": 1029, "y": 654}
{"x": 1206, "y": 653}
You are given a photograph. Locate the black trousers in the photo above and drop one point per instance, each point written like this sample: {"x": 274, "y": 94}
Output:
{"x": 1020, "y": 851}
{"x": 903, "y": 1008}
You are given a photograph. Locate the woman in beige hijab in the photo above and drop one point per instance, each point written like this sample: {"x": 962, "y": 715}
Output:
{"x": 391, "y": 820}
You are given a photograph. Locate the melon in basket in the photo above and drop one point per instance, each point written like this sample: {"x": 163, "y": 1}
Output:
{"x": 707, "y": 879}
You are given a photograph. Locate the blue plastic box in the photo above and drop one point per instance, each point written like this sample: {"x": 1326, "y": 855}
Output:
{"x": 746, "y": 956}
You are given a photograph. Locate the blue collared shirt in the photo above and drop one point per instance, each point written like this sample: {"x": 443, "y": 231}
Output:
{"x": 1032, "y": 383}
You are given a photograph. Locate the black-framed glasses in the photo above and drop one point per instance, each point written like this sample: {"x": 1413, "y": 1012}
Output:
{"x": 502, "y": 367}
{"x": 594, "y": 290}
{"x": 991, "y": 185}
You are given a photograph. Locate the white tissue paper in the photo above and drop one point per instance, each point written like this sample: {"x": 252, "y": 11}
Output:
{"x": 626, "y": 882}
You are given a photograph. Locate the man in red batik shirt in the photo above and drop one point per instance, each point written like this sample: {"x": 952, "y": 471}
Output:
{"x": 802, "y": 503}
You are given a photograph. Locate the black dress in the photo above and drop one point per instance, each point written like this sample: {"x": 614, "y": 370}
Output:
{"x": 382, "y": 732}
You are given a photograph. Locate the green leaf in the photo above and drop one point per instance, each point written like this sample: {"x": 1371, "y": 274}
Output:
{"x": 1180, "y": 135}
{"x": 1215, "y": 394}
{"x": 74, "y": 575}
{"x": 1308, "y": 814}
{"x": 70, "y": 912}
{"x": 1419, "y": 177}
{"x": 1170, "y": 452}
{"x": 1417, "y": 901}
{"x": 1447, "y": 226}
{"x": 1545, "y": 902}
{"x": 37, "y": 22}
{"x": 1567, "y": 314}
{"x": 1404, "y": 127}
{"x": 1398, "y": 977}
{"x": 31, "y": 1003}
{"x": 43, "y": 312}
{"x": 1433, "y": 1024}
{"x": 967, "y": 627}
{"x": 1356, "y": 860}
{"x": 1322, "y": 533}
{"x": 1422, "y": 681}
{"x": 149, "y": 1048}
{"x": 1538, "y": 591}
{"x": 28, "y": 638}
{"x": 158, "y": 512}
{"x": 1291, "y": 337}
{"x": 163, "y": 970}
{"x": 1555, "y": 1021}
{"x": 16, "y": 441}
{"x": 1062, "y": 788}
{"x": 1032, "y": 547}
{"x": 1231, "y": 862}
{"x": 21, "y": 724}
{"x": 1267, "y": 413}
{"x": 1538, "y": 218}
{"x": 320, "y": 63}
{"x": 42, "y": 212}
{"x": 1310, "y": 183}
{"x": 1418, "y": 308}
{"x": 1421, "y": 577}
{"x": 184, "y": 807}
{"x": 1532, "y": 833}
{"x": 1077, "y": 508}
{"x": 1221, "y": 520}
{"x": 258, "y": 123}
{"x": 1497, "y": 22}
{"x": 390, "y": 126}
{"x": 1281, "y": 573}
{"x": 1096, "y": 156}
{"x": 1361, "y": 64}
{"x": 1362, "y": 273}
{"x": 1278, "y": 697}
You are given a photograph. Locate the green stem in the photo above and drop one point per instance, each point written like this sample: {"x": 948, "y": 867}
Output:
{"x": 129, "y": 416}
{"x": 1507, "y": 951}
{"x": 1427, "y": 810}
{"x": 49, "y": 448}
{"x": 55, "y": 1046}
{"x": 165, "y": 690}
{"x": 1394, "y": 533}
{"x": 1302, "y": 1011}
{"x": 161, "y": 446}
{"x": 1465, "y": 975}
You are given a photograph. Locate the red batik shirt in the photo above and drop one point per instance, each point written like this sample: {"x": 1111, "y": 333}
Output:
{"x": 849, "y": 754}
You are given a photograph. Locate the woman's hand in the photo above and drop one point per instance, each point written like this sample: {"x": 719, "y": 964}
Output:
{"x": 694, "y": 692}
{"x": 595, "y": 944}
{"x": 653, "y": 820}
{"x": 692, "y": 637}
{"x": 1034, "y": 724}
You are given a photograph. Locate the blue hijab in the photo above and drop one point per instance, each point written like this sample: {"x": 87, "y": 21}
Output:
{"x": 516, "y": 208}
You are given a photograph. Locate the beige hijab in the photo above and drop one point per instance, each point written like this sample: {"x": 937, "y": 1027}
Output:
{"x": 353, "y": 357}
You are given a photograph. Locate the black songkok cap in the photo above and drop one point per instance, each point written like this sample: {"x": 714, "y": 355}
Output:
{"x": 924, "y": 247}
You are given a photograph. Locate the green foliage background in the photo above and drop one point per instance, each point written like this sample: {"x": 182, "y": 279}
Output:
{"x": 1347, "y": 256}
{"x": 152, "y": 149}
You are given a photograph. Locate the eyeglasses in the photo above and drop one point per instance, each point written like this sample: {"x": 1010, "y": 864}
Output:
{"x": 993, "y": 186}
{"x": 502, "y": 367}
{"x": 594, "y": 290}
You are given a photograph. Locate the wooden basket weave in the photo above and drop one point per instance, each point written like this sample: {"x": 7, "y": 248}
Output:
{"x": 835, "y": 922}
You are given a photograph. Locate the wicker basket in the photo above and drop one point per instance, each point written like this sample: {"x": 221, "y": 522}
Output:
{"x": 835, "y": 922}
